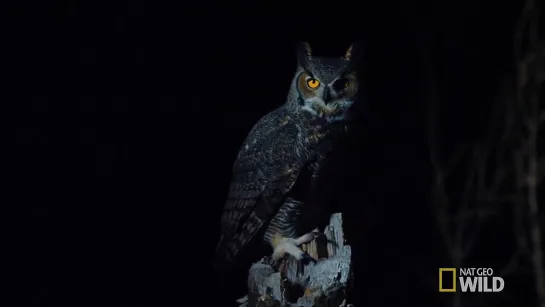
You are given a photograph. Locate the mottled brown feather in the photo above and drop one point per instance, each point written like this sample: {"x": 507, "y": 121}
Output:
{"x": 266, "y": 168}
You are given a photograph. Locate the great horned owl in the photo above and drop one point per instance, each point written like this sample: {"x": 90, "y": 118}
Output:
{"x": 289, "y": 141}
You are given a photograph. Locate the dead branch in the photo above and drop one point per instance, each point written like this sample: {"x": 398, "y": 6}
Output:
{"x": 530, "y": 73}
{"x": 460, "y": 221}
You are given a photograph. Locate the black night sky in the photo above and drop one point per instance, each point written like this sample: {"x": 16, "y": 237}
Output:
{"x": 130, "y": 116}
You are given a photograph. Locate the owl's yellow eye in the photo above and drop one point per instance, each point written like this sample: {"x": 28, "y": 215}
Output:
{"x": 313, "y": 83}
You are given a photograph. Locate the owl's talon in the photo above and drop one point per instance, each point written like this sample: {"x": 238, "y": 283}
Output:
{"x": 291, "y": 247}
{"x": 243, "y": 299}
{"x": 315, "y": 234}
{"x": 306, "y": 238}
{"x": 308, "y": 259}
{"x": 283, "y": 246}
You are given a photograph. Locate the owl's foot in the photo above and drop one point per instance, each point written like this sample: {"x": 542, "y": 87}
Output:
{"x": 290, "y": 246}
{"x": 243, "y": 301}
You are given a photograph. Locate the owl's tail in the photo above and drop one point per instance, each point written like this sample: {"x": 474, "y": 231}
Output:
{"x": 231, "y": 282}
{"x": 223, "y": 260}
{"x": 219, "y": 244}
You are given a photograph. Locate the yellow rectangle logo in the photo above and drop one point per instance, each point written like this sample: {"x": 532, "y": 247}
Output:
{"x": 441, "y": 270}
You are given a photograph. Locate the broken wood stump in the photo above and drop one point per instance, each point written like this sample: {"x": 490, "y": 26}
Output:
{"x": 324, "y": 283}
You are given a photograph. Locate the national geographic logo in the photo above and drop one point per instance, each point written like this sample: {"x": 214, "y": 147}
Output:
{"x": 471, "y": 280}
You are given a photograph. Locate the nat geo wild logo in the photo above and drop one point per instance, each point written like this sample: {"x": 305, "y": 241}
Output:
{"x": 469, "y": 280}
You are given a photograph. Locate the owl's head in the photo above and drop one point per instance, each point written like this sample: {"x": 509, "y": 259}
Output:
{"x": 324, "y": 87}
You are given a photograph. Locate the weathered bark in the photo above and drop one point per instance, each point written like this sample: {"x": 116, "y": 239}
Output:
{"x": 328, "y": 278}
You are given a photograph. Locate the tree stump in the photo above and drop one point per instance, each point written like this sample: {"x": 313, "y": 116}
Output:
{"x": 326, "y": 281}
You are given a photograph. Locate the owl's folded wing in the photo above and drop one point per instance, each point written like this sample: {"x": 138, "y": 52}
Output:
{"x": 266, "y": 169}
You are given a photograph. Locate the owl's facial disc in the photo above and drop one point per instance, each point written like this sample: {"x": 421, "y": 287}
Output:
{"x": 330, "y": 101}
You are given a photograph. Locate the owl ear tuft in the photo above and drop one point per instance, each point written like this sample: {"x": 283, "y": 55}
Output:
{"x": 303, "y": 52}
{"x": 305, "y": 48}
{"x": 349, "y": 52}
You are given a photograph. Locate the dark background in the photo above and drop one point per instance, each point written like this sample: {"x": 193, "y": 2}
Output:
{"x": 131, "y": 115}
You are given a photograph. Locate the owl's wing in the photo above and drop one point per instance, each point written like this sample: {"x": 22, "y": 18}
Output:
{"x": 266, "y": 168}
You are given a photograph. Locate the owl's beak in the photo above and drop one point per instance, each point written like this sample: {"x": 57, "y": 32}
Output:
{"x": 327, "y": 94}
